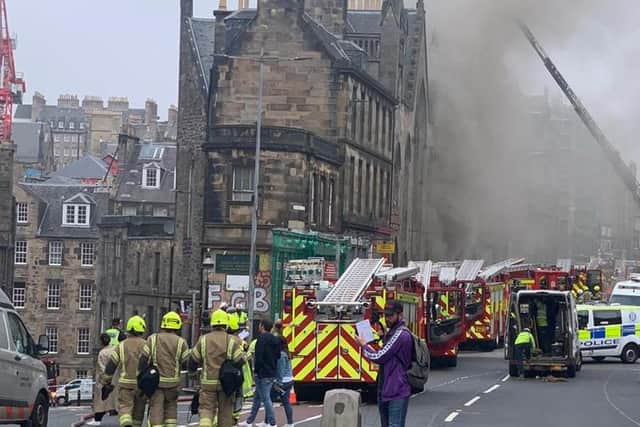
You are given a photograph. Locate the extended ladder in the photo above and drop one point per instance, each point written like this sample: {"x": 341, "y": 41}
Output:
{"x": 354, "y": 281}
{"x": 469, "y": 269}
{"x": 498, "y": 267}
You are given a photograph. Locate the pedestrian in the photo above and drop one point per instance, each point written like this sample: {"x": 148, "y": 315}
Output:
{"x": 247, "y": 378}
{"x": 168, "y": 352}
{"x": 267, "y": 354}
{"x": 523, "y": 345}
{"x": 284, "y": 384}
{"x": 115, "y": 332}
{"x": 101, "y": 407}
{"x": 394, "y": 359}
{"x": 210, "y": 352}
{"x": 125, "y": 359}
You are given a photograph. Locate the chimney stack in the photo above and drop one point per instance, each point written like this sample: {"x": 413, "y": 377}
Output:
{"x": 118, "y": 104}
{"x": 37, "y": 105}
{"x": 330, "y": 13}
{"x": 92, "y": 103}
{"x": 150, "y": 111}
{"x": 68, "y": 101}
{"x": 172, "y": 116}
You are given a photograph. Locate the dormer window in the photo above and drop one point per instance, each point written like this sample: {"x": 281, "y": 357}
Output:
{"x": 151, "y": 176}
{"x": 76, "y": 211}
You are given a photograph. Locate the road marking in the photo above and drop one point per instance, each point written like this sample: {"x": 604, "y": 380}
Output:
{"x": 472, "y": 401}
{"x": 605, "y": 389}
{"x": 306, "y": 420}
{"x": 489, "y": 390}
{"x": 505, "y": 379}
{"x": 452, "y": 416}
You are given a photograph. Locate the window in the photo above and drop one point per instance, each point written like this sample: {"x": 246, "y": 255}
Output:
{"x": 52, "y": 334}
{"x": 83, "y": 341}
{"x": 60, "y": 124}
{"x": 86, "y": 296}
{"x": 67, "y": 138}
{"x": 352, "y": 176}
{"x": 76, "y": 215}
{"x": 19, "y": 337}
{"x": 151, "y": 177}
{"x": 321, "y": 200}
{"x": 19, "y": 295}
{"x": 81, "y": 125}
{"x": 72, "y": 125}
{"x": 22, "y": 213}
{"x": 384, "y": 128}
{"x": 583, "y": 319}
{"x": 53, "y": 296}
{"x": 129, "y": 211}
{"x": 56, "y": 138}
{"x": 369, "y": 119}
{"x": 82, "y": 374}
{"x": 354, "y": 112}
{"x": 160, "y": 212}
{"x": 376, "y": 125}
{"x": 55, "y": 253}
{"x": 151, "y": 152}
{"x": 156, "y": 269}
{"x": 359, "y": 188}
{"x": 21, "y": 252}
{"x": 86, "y": 254}
{"x": 312, "y": 190}
{"x": 242, "y": 184}
{"x": 330, "y": 202}
{"x": 607, "y": 317}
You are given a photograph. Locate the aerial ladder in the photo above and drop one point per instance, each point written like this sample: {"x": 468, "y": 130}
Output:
{"x": 581, "y": 111}
{"x": 12, "y": 86}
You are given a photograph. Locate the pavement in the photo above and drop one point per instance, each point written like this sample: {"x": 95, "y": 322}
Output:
{"x": 479, "y": 393}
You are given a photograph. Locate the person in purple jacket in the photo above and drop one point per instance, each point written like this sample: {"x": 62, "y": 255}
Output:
{"x": 394, "y": 359}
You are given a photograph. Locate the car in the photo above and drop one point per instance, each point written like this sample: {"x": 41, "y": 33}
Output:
{"x": 68, "y": 393}
{"x": 23, "y": 376}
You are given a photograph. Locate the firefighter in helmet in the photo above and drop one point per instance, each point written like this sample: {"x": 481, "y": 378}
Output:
{"x": 210, "y": 352}
{"x": 125, "y": 358}
{"x": 167, "y": 351}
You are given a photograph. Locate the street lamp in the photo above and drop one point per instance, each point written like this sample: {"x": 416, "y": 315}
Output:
{"x": 262, "y": 59}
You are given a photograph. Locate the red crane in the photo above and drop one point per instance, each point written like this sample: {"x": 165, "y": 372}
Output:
{"x": 12, "y": 86}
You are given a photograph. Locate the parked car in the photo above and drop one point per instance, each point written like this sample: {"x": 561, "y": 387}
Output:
{"x": 68, "y": 393}
{"x": 23, "y": 377}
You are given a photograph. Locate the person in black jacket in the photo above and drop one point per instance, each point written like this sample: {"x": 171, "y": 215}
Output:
{"x": 266, "y": 371}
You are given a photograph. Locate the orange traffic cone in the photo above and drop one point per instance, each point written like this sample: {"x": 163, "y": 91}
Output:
{"x": 292, "y": 396}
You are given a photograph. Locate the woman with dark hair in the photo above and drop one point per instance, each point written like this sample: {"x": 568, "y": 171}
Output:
{"x": 284, "y": 383}
{"x": 102, "y": 407}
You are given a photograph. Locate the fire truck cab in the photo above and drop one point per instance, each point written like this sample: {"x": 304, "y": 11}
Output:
{"x": 319, "y": 321}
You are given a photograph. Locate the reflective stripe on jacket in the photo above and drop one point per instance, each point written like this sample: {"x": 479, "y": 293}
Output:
{"x": 210, "y": 352}
{"x": 125, "y": 357}
{"x": 167, "y": 352}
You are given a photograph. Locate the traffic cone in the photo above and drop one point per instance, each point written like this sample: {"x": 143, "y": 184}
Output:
{"x": 292, "y": 396}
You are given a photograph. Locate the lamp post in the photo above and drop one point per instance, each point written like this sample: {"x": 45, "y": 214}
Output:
{"x": 262, "y": 59}
{"x": 207, "y": 263}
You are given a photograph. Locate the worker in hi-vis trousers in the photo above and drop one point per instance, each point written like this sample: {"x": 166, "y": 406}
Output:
{"x": 125, "y": 358}
{"x": 168, "y": 352}
{"x": 210, "y": 352}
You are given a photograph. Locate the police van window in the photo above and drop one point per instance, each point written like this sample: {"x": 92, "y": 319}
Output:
{"x": 583, "y": 319}
{"x": 607, "y": 317}
{"x": 19, "y": 336}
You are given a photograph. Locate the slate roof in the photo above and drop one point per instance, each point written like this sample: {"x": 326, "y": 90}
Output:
{"x": 364, "y": 21}
{"x": 52, "y": 112}
{"x": 26, "y": 137}
{"x": 86, "y": 167}
{"x": 53, "y": 196}
{"x": 130, "y": 181}
{"x": 202, "y": 32}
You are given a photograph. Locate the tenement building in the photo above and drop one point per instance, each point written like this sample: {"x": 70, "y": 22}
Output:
{"x": 344, "y": 130}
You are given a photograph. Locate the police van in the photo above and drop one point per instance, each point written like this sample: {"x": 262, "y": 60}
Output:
{"x": 609, "y": 331}
{"x": 627, "y": 292}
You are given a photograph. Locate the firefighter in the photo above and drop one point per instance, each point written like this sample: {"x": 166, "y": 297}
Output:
{"x": 542, "y": 326}
{"x": 115, "y": 332}
{"x": 210, "y": 352}
{"x": 167, "y": 351}
{"x": 523, "y": 345}
{"x": 125, "y": 358}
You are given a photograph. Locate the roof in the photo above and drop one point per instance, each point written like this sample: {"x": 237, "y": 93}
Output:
{"x": 26, "y": 137}
{"x": 53, "y": 197}
{"x": 130, "y": 182}
{"x": 364, "y": 21}
{"x": 202, "y": 31}
{"x": 84, "y": 168}
{"x": 52, "y": 112}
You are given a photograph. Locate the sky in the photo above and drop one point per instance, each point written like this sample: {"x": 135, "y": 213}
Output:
{"x": 130, "y": 48}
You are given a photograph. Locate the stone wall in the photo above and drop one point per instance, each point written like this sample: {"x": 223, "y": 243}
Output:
{"x": 7, "y": 218}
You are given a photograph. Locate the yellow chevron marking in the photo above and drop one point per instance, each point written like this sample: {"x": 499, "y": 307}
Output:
{"x": 324, "y": 349}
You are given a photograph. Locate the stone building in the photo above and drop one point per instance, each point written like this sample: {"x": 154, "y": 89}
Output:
{"x": 54, "y": 288}
{"x": 344, "y": 137}
{"x": 7, "y": 217}
{"x": 34, "y": 157}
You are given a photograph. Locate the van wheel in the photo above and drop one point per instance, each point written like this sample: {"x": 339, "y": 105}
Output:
{"x": 571, "y": 370}
{"x": 629, "y": 353}
{"x": 513, "y": 371}
{"x": 579, "y": 363}
{"x": 40, "y": 413}
{"x": 529, "y": 373}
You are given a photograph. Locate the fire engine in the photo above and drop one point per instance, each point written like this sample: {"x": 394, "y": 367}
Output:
{"x": 319, "y": 322}
{"x": 53, "y": 371}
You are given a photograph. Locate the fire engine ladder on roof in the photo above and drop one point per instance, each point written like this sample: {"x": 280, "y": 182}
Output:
{"x": 447, "y": 275}
{"x": 469, "y": 269}
{"x": 498, "y": 267}
{"x": 353, "y": 281}
{"x": 564, "y": 264}
{"x": 425, "y": 267}
{"x": 520, "y": 267}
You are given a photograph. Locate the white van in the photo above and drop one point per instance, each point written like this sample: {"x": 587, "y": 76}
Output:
{"x": 627, "y": 292}
{"x": 23, "y": 377}
{"x": 609, "y": 331}
{"x": 68, "y": 393}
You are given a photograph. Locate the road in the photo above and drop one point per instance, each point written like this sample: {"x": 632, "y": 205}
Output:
{"x": 479, "y": 393}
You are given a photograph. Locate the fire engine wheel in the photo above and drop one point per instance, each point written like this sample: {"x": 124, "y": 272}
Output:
{"x": 629, "y": 353}
{"x": 451, "y": 361}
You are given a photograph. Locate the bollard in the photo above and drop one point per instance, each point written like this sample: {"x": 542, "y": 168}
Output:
{"x": 341, "y": 408}
{"x": 67, "y": 400}
{"x": 78, "y": 401}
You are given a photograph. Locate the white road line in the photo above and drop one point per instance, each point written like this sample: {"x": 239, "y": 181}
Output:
{"x": 306, "y": 420}
{"x": 472, "y": 401}
{"x": 505, "y": 379}
{"x": 490, "y": 389}
{"x": 452, "y": 416}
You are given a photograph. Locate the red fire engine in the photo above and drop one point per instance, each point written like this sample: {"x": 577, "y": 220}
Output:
{"x": 53, "y": 371}
{"x": 319, "y": 323}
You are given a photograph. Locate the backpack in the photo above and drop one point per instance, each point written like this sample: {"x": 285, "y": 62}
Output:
{"x": 149, "y": 379}
{"x": 230, "y": 375}
{"x": 418, "y": 372}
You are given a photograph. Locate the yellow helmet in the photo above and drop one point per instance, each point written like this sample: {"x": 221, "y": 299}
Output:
{"x": 171, "y": 320}
{"x": 596, "y": 288}
{"x": 219, "y": 318}
{"x": 136, "y": 324}
{"x": 234, "y": 322}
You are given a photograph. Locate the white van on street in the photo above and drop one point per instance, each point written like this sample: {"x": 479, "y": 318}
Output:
{"x": 23, "y": 377}
{"x": 627, "y": 292}
{"x": 69, "y": 393}
{"x": 609, "y": 331}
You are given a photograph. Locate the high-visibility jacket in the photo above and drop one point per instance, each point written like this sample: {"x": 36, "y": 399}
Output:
{"x": 242, "y": 317}
{"x": 210, "y": 352}
{"x": 115, "y": 334}
{"x": 541, "y": 315}
{"x": 247, "y": 377}
{"x": 525, "y": 337}
{"x": 125, "y": 357}
{"x": 167, "y": 352}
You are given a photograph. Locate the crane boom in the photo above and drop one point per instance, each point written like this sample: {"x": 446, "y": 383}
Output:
{"x": 582, "y": 112}
{"x": 11, "y": 85}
